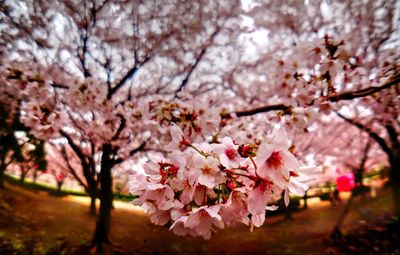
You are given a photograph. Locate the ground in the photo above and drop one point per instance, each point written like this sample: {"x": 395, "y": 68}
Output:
{"x": 38, "y": 223}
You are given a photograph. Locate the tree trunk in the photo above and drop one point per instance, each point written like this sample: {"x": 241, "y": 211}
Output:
{"x": 22, "y": 176}
{"x": 358, "y": 178}
{"x": 337, "y": 233}
{"x": 2, "y": 172}
{"x": 100, "y": 239}
{"x": 305, "y": 206}
{"x": 396, "y": 198}
{"x": 92, "y": 204}
{"x": 34, "y": 176}
{"x": 395, "y": 183}
{"x": 3, "y": 167}
{"x": 59, "y": 185}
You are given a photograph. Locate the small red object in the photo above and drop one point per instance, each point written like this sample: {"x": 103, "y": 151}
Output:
{"x": 345, "y": 183}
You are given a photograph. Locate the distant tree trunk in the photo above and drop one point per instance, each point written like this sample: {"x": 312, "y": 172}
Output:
{"x": 358, "y": 178}
{"x": 100, "y": 239}
{"x": 3, "y": 167}
{"x": 395, "y": 183}
{"x": 305, "y": 206}
{"x": 2, "y": 172}
{"x": 92, "y": 203}
{"x": 337, "y": 233}
{"x": 22, "y": 178}
{"x": 59, "y": 185}
{"x": 22, "y": 175}
{"x": 34, "y": 176}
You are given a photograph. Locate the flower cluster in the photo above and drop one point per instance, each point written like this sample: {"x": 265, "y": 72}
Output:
{"x": 200, "y": 186}
{"x": 195, "y": 119}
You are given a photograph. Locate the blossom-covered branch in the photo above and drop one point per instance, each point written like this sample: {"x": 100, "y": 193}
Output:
{"x": 333, "y": 98}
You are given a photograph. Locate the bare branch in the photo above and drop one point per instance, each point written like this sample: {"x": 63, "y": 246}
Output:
{"x": 197, "y": 60}
{"x": 127, "y": 77}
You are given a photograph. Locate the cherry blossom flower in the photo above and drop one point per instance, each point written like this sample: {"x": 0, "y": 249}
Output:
{"x": 235, "y": 209}
{"x": 258, "y": 199}
{"x": 275, "y": 161}
{"x": 200, "y": 187}
{"x": 203, "y": 219}
{"x": 178, "y": 139}
{"x": 229, "y": 156}
{"x": 206, "y": 171}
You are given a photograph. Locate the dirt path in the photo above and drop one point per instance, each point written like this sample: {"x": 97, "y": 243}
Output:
{"x": 39, "y": 223}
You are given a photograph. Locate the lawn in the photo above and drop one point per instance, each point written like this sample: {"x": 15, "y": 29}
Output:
{"x": 39, "y": 223}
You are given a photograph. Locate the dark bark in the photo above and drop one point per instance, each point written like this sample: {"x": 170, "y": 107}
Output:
{"x": 34, "y": 176}
{"x": 395, "y": 183}
{"x": 2, "y": 172}
{"x": 93, "y": 210}
{"x": 305, "y": 197}
{"x": 358, "y": 176}
{"x": 337, "y": 233}
{"x": 392, "y": 150}
{"x": 22, "y": 175}
{"x": 59, "y": 185}
{"x": 100, "y": 239}
{"x": 3, "y": 167}
{"x": 131, "y": 72}
{"x": 396, "y": 198}
{"x": 88, "y": 169}
{"x": 92, "y": 190}
{"x": 359, "y": 171}
{"x": 22, "y": 178}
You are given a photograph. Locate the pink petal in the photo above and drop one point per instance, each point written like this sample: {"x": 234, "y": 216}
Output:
{"x": 290, "y": 161}
{"x": 286, "y": 197}
{"x": 258, "y": 219}
{"x": 207, "y": 180}
{"x": 264, "y": 152}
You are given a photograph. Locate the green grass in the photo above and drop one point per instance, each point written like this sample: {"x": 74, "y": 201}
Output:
{"x": 35, "y": 186}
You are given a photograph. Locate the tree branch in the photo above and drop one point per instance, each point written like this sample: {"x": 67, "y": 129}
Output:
{"x": 382, "y": 143}
{"x": 334, "y": 98}
{"x": 197, "y": 60}
{"x": 131, "y": 153}
{"x": 126, "y": 77}
{"x": 261, "y": 109}
{"x": 58, "y": 85}
{"x": 71, "y": 169}
{"x": 393, "y": 135}
{"x": 75, "y": 148}
{"x": 120, "y": 128}
{"x": 364, "y": 92}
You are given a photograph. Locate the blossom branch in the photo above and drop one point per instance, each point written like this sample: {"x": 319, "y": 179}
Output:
{"x": 382, "y": 143}
{"x": 333, "y": 98}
